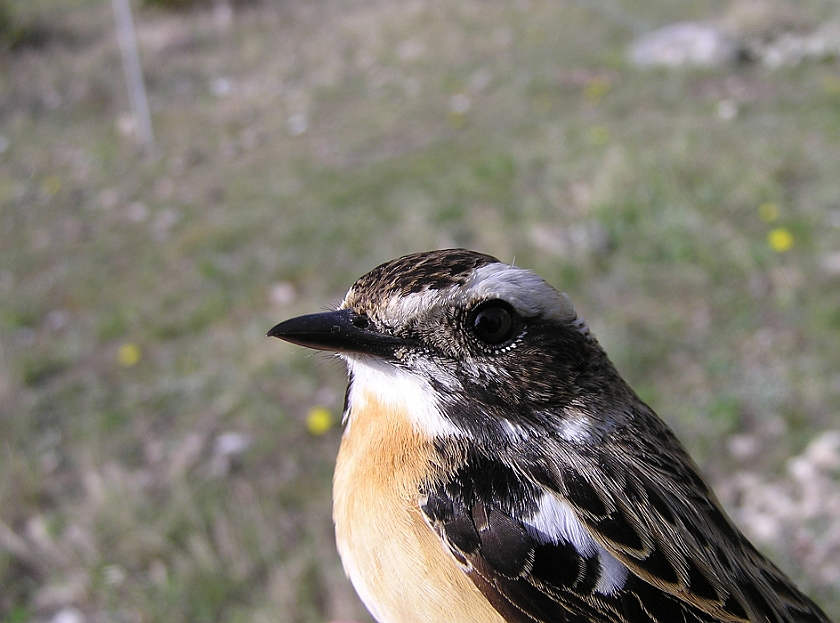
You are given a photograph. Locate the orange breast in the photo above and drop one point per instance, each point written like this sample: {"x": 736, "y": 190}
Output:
{"x": 398, "y": 565}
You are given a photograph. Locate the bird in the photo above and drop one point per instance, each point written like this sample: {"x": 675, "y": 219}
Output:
{"x": 494, "y": 467}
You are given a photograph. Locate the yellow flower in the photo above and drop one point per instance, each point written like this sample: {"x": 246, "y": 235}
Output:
{"x": 780, "y": 240}
{"x": 319, "y": 420}
{"x": 128, "y": 355}
{"x": 52, "y": 184}
{"x": 455, "y": 119}
{"x": 536, "y": 36}
{"x": 596, "y": 88}
{"x": 831, "y": 84}
{"x": 768, "y": 211}
{"x": 599, "y": 135}
{"x": 542, "y": 103}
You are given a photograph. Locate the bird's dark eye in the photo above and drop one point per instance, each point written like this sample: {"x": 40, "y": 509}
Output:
{"x": 492, "y": 322}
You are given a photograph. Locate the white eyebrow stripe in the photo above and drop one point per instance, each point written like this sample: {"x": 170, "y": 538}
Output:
{"x": 527, "y": 292}
{"x": 555, "y": 522}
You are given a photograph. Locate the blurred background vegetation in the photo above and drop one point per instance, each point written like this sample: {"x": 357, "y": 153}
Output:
{"x": 161, "y": 460}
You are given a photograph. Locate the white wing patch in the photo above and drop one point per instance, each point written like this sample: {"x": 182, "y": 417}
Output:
{"x": 613, "y": 573}
{"x": 555, "y": 522}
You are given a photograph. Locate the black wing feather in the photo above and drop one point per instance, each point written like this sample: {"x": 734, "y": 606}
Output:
{"x": 527, "y": 580}
{"x": 481, "y": 513}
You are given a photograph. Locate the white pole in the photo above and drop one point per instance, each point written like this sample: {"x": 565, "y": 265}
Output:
{"x": 133, "y": 72}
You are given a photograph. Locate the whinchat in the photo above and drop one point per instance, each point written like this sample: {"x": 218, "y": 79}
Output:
{"x": 495, "y": 467}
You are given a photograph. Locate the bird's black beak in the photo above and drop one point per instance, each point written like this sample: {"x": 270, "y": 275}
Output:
{"x": 341, "y": 331}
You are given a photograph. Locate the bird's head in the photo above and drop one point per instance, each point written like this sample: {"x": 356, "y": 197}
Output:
{"x": 490, "y": 342}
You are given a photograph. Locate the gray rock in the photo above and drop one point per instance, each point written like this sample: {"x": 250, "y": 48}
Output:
{"x": 793, "y": 48}
{"x": 685, "y": 44}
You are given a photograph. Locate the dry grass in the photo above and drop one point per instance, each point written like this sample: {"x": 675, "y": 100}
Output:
{"x": 300, "y": 144}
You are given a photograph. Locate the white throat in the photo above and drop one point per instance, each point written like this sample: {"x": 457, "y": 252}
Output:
{"x": 406, "y": 392}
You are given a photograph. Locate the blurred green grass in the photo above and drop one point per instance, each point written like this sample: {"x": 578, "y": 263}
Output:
{"x": 300, "y": 145}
